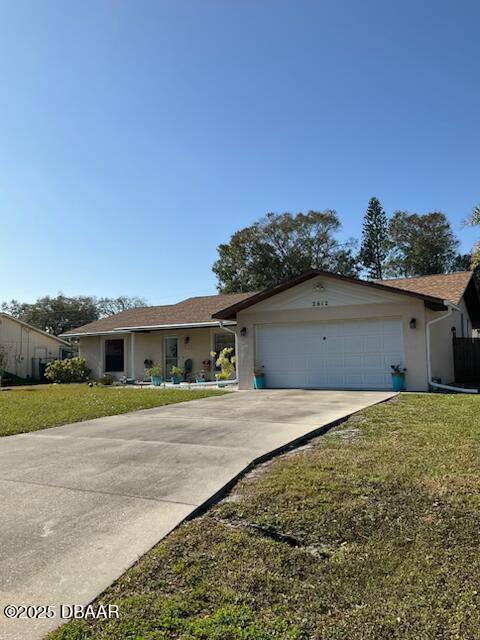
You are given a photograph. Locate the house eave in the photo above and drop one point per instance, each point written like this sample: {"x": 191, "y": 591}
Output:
{"x": 157, "y": 327}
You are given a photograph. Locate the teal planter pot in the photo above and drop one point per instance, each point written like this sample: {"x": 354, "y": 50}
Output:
{"x": 157, "y": 381}
{"x": 220, "y": 382}
{"x": 259, "y": 382}
{"x": 398, "y": 381}
{"x": 175, "y": 380}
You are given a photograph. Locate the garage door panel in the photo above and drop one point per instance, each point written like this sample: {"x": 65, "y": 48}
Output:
{"x": 390, "y": 343}
{"x": 354, "y": 354}
{"x": 313, "y": 364}
{"x": 372, "y": 343}
{"x": 354, "y": 380}
{"x": 353, "y": 362}
{"x": 333, "y": 363}
{"x": 374, "y": 361}
{"x": 334, "y": 345}
{"x": 353, "y": 345}
{"x": 285, "y": 381}
{"x": 377, "y": 381}
{"x": 335, "y": 380}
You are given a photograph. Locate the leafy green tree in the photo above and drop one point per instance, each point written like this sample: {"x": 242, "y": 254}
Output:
{"x": 421, "y": 244}
{"x": 462, "y": 262}
{"x": 54, "y": 315}
{"x": 375, "y": 240}
{"x": 280, "y": 246}
{"x": 59, "y": 314}
{"x": 109, "y": 306}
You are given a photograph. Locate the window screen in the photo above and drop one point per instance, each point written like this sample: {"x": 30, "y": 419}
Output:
{"x": 223, "y": 341}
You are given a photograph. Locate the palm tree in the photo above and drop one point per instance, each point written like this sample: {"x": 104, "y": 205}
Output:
{"x": 475, "y": 217}
{"x": 474, "y": 220}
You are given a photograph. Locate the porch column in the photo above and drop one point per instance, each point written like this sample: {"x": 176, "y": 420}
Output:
{"x": 101, "y": 364}
{"x": 132, "y": 355}
{"x": 237, "y": 355}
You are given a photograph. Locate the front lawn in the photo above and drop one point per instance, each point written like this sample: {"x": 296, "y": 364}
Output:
{"x": 42, "y": 406}
{"x": 373, "y": 532}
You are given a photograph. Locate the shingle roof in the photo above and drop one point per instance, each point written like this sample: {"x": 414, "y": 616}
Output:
{"x": 431, "y": 301}
{"x": 199, "y": 310}
{"x": 190, "y": 311}
{"x": 448, "y": 286}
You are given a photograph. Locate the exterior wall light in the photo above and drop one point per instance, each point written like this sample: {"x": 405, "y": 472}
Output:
{"x": 187, "y": 339}
{"x": 413, "y": 323}
{"x": 243, "y": 331}
{"x": 454, "y": 332}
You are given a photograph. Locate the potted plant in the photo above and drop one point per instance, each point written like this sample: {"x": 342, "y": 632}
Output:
{"x": 201, "y": 377}
{"x": 155, "y": 373}
{"x": 226, "y": 363}
{"x": 398, "y": 377}
{"x": 176, "y": 374}
{"x": 258, "y": 378}
{"x": 220, "y": 377}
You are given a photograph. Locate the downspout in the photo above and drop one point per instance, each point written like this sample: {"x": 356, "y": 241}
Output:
{"x": 222, "y": 326}
{"x": 436, "y": 385}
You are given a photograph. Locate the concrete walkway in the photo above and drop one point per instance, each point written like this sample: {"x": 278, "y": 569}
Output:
{"x": 80, "y": 503}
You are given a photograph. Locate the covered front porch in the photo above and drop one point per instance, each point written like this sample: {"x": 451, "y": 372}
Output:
{"x": 129, "y": 353}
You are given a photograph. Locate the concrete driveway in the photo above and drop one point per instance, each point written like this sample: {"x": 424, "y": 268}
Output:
{"x": 80, "y": 503}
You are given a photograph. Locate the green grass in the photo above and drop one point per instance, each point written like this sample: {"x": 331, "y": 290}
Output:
{"x": 388, "y": 528}
{"x": 42, "y": 406}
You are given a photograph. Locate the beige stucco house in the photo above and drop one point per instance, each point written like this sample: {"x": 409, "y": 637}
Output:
{"x": 28, "y": 349}
{"x": 122, "y": 344}
{"x": 318, "y": 330}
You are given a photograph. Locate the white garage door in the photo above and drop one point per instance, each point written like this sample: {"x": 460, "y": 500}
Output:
{"x": 331, "y": 355}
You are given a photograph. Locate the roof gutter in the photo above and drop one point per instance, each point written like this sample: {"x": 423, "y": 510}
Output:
{"x": 157, "y": 327}
{"x": 436, "y": 385}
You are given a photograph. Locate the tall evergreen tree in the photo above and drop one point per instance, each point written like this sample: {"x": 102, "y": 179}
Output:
{"x": 375, "y": 242}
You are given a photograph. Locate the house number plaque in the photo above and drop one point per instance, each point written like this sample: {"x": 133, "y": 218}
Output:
{"x": 320, "y": 303}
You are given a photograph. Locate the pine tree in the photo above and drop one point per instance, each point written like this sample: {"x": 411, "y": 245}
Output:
{"x": 375, "y": 240}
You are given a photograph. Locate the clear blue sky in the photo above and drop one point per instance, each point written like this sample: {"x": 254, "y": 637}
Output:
{"x": 135, "y": 136}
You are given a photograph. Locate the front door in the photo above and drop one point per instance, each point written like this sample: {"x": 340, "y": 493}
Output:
{"x": 171, "y": 355}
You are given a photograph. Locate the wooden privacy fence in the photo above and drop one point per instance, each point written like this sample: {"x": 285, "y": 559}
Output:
{"x": 466, "y": 359}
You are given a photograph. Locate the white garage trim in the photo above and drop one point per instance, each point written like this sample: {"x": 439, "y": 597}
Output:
{"x": 341, "y": 354}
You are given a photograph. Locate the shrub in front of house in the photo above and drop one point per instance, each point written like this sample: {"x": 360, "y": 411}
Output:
{"x": 107, "y": 380}
{"x": 70, "y": 370}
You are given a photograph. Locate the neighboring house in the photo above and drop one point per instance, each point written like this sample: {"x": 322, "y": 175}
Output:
{"x": 29, "y": 349}
{"x": 318, "y": 330}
